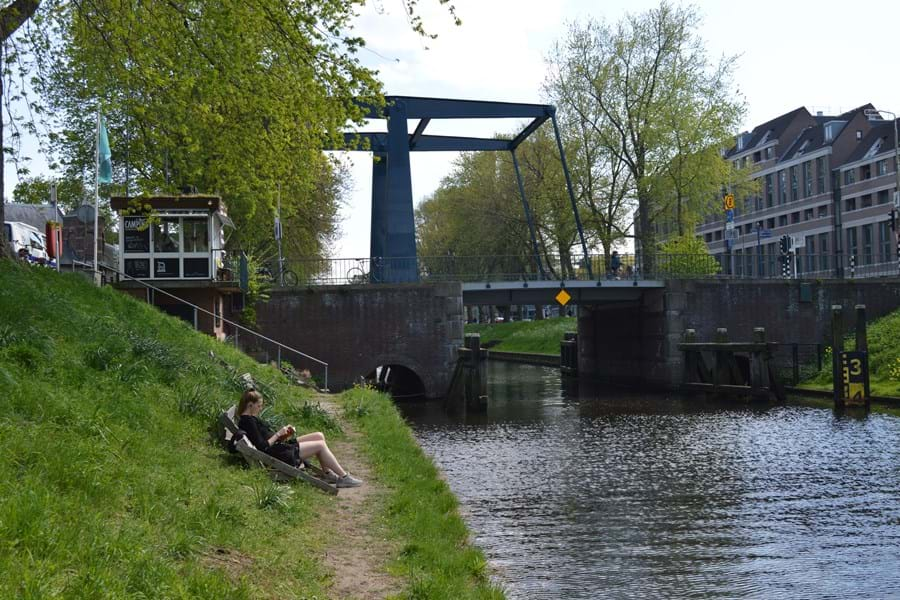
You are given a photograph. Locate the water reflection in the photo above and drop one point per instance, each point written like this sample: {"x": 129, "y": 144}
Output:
{"x": 612, "y": 494}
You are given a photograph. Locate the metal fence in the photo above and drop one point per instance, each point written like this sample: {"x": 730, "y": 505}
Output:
{"x": 574, "y": 267}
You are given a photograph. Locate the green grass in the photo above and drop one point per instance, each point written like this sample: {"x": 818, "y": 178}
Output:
{"x": 883, "y": 337}
{"x": 113, "y": 484}
{"x": 420, "y": 512}
{"x": 535, "y": 337}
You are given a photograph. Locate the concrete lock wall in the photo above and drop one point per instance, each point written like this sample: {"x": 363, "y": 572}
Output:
{"x": 358, "y": 328}
{"x": 638, "y": 342}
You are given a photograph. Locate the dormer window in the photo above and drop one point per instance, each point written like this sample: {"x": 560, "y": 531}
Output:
{"x": 875, "y": 149}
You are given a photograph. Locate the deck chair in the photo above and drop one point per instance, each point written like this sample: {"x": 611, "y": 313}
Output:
{"x": 280, "y": 470}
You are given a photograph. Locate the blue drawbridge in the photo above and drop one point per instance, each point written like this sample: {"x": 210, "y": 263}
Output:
{"x": 393, "y": 237}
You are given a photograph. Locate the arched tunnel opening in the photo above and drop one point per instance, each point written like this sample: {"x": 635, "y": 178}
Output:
{"x": 400, "y": 382}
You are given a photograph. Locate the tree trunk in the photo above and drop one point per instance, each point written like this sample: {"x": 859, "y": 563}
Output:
{"x": 11, "y": 18}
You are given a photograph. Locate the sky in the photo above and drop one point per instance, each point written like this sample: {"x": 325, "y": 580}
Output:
{"x": 825, "y": 55}
{"x": 829, "y": 56}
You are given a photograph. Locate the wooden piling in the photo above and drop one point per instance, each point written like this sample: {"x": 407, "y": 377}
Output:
{"x": 837, "y": 346}
{"x": 862, "y": 343}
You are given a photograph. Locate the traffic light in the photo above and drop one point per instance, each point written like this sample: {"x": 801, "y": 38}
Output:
{"x": 785, "y": 244}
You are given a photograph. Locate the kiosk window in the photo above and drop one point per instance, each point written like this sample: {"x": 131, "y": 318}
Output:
{"x": 166, "y": 267}
{"x": 196, "y": 267}
{"x": 165, "y": 235}
{"x": 137, "y": 235}
{"x": 139, "y": 268}
{"x": 196, "y": 235}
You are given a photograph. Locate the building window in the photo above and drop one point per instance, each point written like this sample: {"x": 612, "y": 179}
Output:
{"x": 849, "y": 204}
{"x": 756, "y": 157}
{"x": 820, "y": 175}
{"x": 808, "y": 214}
{"x": 810, "y": 253}
{"x": 881, "y": 167}
{"x": 865, "y": 172}
{"x": 852, "y": 243}
{"x": 823, "y": 252}
{"x": 885, "y": 240}
{"x": 717, "y": 235}
{"x": 748, "y": 259}
{"x": 173, "y": 247}
{"x": 770, "y": 223}
{"x": 882, "y": 197}
{"x": 748, "y": 228}
{"x": 782, "y": 220}
{"x": 770, "y": 152}
{"x": 794, "y": 194}
{"x": 868, "y": 258}
{"x": 771, "y": 251}
{"x": 795, "y": 217}
{"x": 849, "y": 177}
{"x": 807, "y": 179}
{"x": 866, "y": 201}
{"x": 769, "y": 193}
{"x": 708, "y": 237}
{"x": 196, "y": 235}
{"x": 823, "y": 211}
{"x": 782, "y": 187}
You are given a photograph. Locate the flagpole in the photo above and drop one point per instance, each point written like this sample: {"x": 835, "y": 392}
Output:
{"x": 97, "y": 199}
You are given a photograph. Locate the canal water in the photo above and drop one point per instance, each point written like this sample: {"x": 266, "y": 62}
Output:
{"x": 610, "y": 494}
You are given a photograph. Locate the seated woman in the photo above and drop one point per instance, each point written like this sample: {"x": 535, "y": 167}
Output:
{"x": 279, "y": 444}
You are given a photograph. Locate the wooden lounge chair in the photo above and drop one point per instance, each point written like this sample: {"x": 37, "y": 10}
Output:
{"x": 280, "y": 470}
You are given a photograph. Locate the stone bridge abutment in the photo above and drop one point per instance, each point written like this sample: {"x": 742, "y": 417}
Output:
{"x": 636, "y": 342}
{"x": 356, "y": 329}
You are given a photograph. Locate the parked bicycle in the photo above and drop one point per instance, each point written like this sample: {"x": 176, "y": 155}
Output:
{"x": 357, "y": 274}
{"x": 288, "y": 277}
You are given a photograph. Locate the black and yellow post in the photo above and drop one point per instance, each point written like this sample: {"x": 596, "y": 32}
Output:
{"x": 851, "y": 369}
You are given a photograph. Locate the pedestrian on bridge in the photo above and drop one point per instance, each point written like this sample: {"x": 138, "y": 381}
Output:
{"x": 615, "y": 263}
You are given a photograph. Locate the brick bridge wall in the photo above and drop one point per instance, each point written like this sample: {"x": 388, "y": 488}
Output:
{"x": 358, "y": 328}
{"x": 637, "y": 343}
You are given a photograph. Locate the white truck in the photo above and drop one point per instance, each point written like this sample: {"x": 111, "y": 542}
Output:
{"x": 22, "y": 235}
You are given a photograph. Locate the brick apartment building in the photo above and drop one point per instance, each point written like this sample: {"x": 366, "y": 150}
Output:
{"x": 826, "y": 181}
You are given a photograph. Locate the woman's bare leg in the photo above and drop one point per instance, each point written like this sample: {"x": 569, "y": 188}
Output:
{"x": 320, "y": 450}
{"x": 318, "y": 436}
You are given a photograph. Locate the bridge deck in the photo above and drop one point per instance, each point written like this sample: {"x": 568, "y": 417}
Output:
{"x": 544, "y": 292}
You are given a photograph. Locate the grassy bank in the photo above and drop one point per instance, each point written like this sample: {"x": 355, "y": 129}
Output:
{"x": 884, "y": 358}
{"x": 420, "y": 512}
{"x": 536, "y": 337}
{"x": 113, "y": 484}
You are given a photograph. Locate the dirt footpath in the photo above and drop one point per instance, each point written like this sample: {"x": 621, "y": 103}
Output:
{"x": 357, "y": 553}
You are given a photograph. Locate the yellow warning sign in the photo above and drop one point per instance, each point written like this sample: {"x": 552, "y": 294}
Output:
{"x": 563, "y": 297}
{"x": 728, "y": 202}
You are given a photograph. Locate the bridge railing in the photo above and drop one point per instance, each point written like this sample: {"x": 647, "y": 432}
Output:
{"x": 573, "y": 267}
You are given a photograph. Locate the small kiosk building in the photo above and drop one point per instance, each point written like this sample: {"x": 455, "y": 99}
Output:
{"x": 176, "y": 244}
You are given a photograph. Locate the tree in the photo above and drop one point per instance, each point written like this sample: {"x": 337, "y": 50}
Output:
{"x": 477, "y": 211}
{"x": 12, "y": 16}
{"x": 70, "y": 192}
{"x": 223, "y": 96}
{"x": 629, "y": 83}
{"x": 685, "y": 255}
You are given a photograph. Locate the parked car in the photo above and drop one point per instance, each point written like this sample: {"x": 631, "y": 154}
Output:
{"x": 22, "y": 235}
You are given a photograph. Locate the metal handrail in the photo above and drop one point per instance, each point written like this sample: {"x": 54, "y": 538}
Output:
{"x": 236, "y": 325}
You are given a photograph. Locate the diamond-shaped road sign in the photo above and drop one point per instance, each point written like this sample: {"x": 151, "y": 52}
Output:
{"x": 563, "y": 297}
